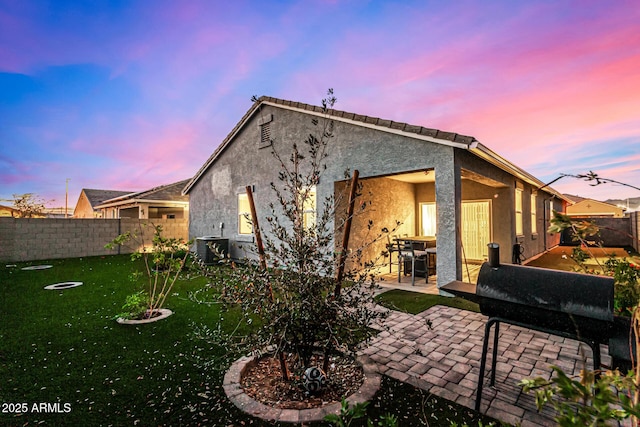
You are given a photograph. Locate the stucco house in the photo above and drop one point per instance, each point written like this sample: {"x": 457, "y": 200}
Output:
{"x": 436, "y": 183}
{"x": 7, "y": 211}
{"x": 90, "y": 199}
{"x": 165, "y": 201}
{"x": 631, "y": 204}
{"x": 582, "y": 207}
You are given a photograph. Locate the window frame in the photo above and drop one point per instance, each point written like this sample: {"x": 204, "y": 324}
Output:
{"x": 434, "y": 222}
{"x": 518, "y": 209}
{"x": 534, "y": 213}
{"x": 310, "y": 213}
{"x": 242, "y": 215}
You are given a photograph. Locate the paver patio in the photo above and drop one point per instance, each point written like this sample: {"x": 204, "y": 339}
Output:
{"x": 444, "y": 359}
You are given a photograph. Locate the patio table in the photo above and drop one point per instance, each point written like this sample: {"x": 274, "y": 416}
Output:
{"x": 425, "y": 244}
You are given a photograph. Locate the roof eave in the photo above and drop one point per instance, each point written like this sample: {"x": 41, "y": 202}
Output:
{"x": 115, "y": 203}
{"x": 489, "y": 155}
{"x": 319, "y": 113}
{"x": 373, "y": 126}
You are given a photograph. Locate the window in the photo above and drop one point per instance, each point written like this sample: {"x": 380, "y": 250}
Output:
{"x": 428, "y": 219}
{"x": 309, "y": 208}
{"x": 519, "y": 228}
{"x": 534, "y": 219}
{"x": 244, "y": 213}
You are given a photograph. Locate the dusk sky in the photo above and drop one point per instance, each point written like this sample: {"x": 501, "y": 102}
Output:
{"x": 128, "y": 95}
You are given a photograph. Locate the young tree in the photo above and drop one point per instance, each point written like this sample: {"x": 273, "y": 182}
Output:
{"x": 28, "y": 205}
{"x": 293, "y": 303}
{"x": 164, "y": 260}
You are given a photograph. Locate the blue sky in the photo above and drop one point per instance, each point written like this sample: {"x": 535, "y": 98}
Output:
{"x": 133, "y": 94}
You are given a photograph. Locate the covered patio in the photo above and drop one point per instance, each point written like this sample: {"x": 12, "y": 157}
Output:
{"x": 390, "y": 281}
{"x": 405, "y": 204}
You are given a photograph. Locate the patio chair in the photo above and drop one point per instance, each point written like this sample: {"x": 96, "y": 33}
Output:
{"x": 408, "y": 253}
{"x": 392, "y": 247}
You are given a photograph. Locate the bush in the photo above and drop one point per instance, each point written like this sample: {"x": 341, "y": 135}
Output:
{"x": 163, "y": 264}
{"x": 592, "y": 400}
{"x": 627, "y": 287}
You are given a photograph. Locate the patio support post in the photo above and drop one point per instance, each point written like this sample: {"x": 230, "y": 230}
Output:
{"x": 263, "y": 264}
{"x": 449, "y": 203}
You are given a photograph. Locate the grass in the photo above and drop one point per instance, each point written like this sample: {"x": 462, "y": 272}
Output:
{"x": 414, "y": 302}
{"x": 64, "y": 347}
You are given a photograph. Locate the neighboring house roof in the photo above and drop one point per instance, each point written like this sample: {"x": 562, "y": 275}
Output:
{"x": 96, "y": 197}
{"x": 573, "y": 198}
{"x": 632, "y": 204}
{"x": 59, "y": 212}
{"x": 590, "y": 207}
{"x": 7, "y": 210}
{"x": 399, "y": 128}
{"x": 162, "y": 193}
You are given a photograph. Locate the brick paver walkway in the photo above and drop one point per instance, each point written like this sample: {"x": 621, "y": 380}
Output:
{"x": 445, "y": 360}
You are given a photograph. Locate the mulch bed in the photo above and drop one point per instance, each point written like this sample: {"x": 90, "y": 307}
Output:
{"x": 264, "y": 383}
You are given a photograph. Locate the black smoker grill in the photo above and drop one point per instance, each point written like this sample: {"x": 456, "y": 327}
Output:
{"x": 572, "y": 305}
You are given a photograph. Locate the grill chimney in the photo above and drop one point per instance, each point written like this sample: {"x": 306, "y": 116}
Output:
{"x": 494, "y": 255}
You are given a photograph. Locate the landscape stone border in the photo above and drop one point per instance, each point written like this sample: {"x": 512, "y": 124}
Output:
{"x": 235, "y": 393}
{"x": 63, "y": 285}
{"x": 164, "y": 313}
{"x": 36, "y": 267}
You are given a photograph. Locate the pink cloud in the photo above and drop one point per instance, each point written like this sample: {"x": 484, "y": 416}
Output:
{"x": 538, "y": 82}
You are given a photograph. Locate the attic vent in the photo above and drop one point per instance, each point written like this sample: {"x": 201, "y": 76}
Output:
{"x": 265, "y": 134}
{"x": 265, "y": 130}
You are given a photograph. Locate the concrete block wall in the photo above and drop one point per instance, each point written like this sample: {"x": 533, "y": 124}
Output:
{"x": 32, "y": 239}
{"x": 615, "y": 231}
{"x": 144, "y": 230}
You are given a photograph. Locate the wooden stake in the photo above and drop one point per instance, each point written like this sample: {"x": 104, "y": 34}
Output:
{"x": 343, "y": 252}
{"x": 263, "y": 265}
{"x": 346, "y": 233}
{"x": 256, "y": 229}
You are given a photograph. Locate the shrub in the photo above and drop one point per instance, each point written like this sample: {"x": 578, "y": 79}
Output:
{"x": 163, "y": 263}
{"x": 627, "y": 287}
{"x": 591, "y": 400}
{"x": 135, "y": 306}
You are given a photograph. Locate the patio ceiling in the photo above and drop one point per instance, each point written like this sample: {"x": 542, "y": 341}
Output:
{"x": 427, "y": 176}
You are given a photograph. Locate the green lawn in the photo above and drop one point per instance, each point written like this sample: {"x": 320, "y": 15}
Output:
{"x": 414, "y": 302}
{"x": 64, "y": 347}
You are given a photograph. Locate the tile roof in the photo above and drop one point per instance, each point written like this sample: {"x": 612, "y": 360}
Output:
{"x": 165, "y": 192}
{"x": 168, "y": 192}
{"x": 405, "y": 127}
{"x": 96, "y": 197}
{"x": 433, "y": 135}
{"x": 338, "y": 114}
